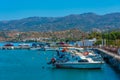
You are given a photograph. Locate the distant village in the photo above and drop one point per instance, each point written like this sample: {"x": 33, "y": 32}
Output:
{"x": 95, "y": 37}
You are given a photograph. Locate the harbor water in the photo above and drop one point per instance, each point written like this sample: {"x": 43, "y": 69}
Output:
{"x": 32, "y": 65}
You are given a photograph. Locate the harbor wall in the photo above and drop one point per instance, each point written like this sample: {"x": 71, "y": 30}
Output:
{"x": 110, "y": 58}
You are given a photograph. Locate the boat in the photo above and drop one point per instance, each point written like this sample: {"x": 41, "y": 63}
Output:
{"x": 36, "y": 48}
{"x": 24, "y": 46}
{"x": 92, "y": 65}
{"x": 42, "y": 47}
{"x": 8, "y": 46}
{"x": 50, "y": 48}
{"x": 75, "y": 59}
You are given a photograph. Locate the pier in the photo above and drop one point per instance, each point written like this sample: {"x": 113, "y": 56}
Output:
{"x": 14, "y": 48}
{"x": 110, "y": 53}
{"x": 111, "y": 58}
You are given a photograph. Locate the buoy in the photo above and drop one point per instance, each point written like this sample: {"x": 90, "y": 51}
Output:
{"x": 53, "y": 60}
{"x": 64, "y": 49}
{"x": 85, "y": 53}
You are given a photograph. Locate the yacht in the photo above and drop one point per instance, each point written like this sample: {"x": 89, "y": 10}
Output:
{"x": 75, "y": 59}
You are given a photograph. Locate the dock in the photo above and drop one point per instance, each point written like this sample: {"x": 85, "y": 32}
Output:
{"x": 110, "y": 58}
{"x": 13, "y": 48}
{"x": 116, "y": 56}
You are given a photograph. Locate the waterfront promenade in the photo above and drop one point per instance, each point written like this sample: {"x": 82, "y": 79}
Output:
{"x": 110, "y": 57}
{"x": 116, "y": 56}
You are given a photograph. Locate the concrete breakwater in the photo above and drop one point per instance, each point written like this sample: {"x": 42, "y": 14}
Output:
{"x": 111, "y": 58}
{"x": 15, "y": 47}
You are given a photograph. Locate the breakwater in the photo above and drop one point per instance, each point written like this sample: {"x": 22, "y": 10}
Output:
{"x": 15, "y": 47}
{"x": 111, "y": 58}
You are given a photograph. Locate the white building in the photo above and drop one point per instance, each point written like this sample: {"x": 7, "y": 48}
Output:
{"x": 89, "y": 42}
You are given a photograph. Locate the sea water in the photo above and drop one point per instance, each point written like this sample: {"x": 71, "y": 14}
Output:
{"x": 32, "y": 65}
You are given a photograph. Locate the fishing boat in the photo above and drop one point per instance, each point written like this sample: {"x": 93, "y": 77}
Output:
{"x": 43, "y": 48}
{"x": 36, "y": 48}
{"x": 24, "y": 46}
{"x": 50, "y": 48}
{"x": 74, "y": 59}
{"x": 8, "y": 46}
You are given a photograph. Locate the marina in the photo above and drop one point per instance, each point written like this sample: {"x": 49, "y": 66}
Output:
{"x": 111, "y": 58}
{"x": 32, "y": 64}
{"x": 77, "y": 59}
{"x": 59, "y": 40}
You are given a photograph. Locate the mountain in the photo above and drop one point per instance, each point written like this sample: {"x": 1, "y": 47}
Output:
{"x": 85, "y": 22}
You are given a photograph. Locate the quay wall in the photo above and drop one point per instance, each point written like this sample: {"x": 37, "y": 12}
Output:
{"x": 110, "y": 58}
{"x": 16, "y": 47}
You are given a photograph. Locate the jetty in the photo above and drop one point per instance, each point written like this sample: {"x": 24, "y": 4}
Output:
{"x": 116, "y": 56}
{"x": 110, "y": 57}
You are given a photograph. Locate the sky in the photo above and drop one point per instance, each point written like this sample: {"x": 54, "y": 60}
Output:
{"x": 18, "y": 9}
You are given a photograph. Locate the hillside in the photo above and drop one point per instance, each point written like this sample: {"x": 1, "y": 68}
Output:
{"x": 73, "y": 34}
{"x": 85, "y": 22}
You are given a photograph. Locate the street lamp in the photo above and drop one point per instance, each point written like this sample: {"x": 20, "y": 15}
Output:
{"x": 108, "y": 27}
{"x": 83, "y": 35}
{"x": 102, "y": 38}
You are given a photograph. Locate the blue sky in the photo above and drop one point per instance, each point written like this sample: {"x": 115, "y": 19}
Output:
{"x": 17, "y": 9}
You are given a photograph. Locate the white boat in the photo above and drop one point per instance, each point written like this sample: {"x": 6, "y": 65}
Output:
{"x": 78, "y": 60}
{"x": 50, "y": 48}
{"x": 24, "y": 46}
{"x": 77, "y": 64}
{"x": 35, "y": 48}
{"x": 43, "y": 48}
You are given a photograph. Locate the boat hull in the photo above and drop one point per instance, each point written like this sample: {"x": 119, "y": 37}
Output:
{"x": 79, "y": 65}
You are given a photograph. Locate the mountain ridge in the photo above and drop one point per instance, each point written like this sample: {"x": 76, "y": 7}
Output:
{"x": 85, "y": 22}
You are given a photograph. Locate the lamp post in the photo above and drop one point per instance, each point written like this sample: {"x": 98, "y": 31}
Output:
{"x": 108, "y": 35}
{"x": 83, "y": 39}
{"x": 102, "y": 38}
